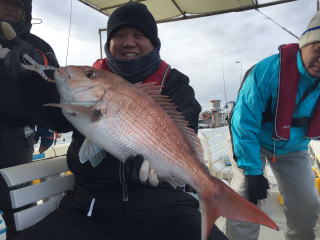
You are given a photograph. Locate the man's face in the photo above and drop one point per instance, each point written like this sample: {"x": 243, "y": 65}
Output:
{"x": 11, "y": 10}
{"x": 129, "y": 43}
{"x": 311, "y": 58}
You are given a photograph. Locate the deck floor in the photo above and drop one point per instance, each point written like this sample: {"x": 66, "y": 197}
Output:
{"x": 275, "y": 211}
{"x": 272, "y": 207}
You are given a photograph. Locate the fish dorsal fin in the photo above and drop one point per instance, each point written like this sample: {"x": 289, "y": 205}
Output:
{"x": 167, "y": 105}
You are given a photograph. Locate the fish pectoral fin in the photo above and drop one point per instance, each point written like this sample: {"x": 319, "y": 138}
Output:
{"x": 91, "y": 152}
{"x": 89, "y": 112}
{"x": 173, "y": 182}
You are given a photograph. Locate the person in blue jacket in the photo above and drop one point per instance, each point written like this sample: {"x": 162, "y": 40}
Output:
{"x": 46, "y": 137}
{"x": 276, "y": 114}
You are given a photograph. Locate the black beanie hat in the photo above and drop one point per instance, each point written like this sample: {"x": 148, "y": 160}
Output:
{"x": 28, "y": 9}
{"x": 133, "y": 14}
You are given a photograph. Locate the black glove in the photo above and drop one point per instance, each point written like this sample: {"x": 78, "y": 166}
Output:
{"x": 257, "y": 188}
{"x": 138, "y": 170}
{"x": 12, "y": 56}
{"x": 188, "y": 188}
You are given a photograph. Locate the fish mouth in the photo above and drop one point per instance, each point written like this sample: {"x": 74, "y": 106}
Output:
{"x": 64, "y": 73}
{"x": 58, "y": 77}
{"x": 85, "y": 104}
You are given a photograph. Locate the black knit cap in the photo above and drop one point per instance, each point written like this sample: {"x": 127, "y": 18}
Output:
{"x": 27, "y": 5}
{"x": 133, "y": 14}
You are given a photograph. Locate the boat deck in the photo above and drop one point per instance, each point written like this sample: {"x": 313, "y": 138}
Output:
{"x": 212, "y": 140}
{"x": 275, "y": 211}
{"x": 273, "y": 208}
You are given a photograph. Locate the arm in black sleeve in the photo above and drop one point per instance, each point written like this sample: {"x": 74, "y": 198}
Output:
{"x": 36, "y": 91}
{"x": 182, "y": 94}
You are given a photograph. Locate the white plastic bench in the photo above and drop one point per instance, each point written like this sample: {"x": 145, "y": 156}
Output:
{"x": 217, "y": 151}
{"x": 41, "y": 198}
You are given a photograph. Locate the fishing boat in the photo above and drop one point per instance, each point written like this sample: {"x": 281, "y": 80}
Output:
{"x": 215, "y": 139}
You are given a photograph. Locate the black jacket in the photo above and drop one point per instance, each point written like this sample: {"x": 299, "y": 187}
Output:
{"x": 108, "y": 182}
{"x": 14, "y": 112}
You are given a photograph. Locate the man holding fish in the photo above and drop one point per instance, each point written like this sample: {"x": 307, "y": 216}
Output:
{"x": 134, "y": 146}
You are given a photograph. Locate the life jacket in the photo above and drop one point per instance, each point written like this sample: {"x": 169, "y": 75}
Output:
{"x": 159, "y": 76}
{"x": 287, "y": 93}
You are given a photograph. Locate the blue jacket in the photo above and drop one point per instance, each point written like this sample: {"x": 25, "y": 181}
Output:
{"x": 248, "y": 132}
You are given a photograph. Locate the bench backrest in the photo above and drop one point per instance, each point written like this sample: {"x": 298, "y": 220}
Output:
{"x": 36, "y": 200}
{"x": 217, "y": 151}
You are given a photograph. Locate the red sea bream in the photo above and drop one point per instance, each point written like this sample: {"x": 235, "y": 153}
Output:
{"x": 127, "y": 119}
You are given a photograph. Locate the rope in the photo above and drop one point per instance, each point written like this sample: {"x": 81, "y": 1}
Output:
{"x": 278, "y": 24}
{"x": 70, "y": 22}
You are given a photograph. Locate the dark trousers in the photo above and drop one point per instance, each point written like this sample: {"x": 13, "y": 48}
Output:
{"x": 179, "y": 222}
{"x": 15, "y": 149}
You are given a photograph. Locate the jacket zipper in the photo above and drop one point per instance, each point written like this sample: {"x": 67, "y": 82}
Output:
{"x": 122, "y": 178}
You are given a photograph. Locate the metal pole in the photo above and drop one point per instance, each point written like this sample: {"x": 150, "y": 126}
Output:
{"x": 318, "y": 5}
{"x": 100, "y": 43}
{"x": 240, "y": 72}
{"x": 224, "y": 81}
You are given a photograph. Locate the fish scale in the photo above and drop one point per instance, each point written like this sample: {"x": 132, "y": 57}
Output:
{"x": 125, "y": 119}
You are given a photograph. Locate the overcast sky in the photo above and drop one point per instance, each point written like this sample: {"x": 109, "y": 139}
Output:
{"x": 211, "y": 50}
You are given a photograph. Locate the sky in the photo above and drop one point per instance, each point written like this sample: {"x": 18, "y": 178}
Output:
{"x": 214, "y": 52}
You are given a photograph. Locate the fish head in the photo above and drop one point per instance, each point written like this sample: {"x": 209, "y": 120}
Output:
{"x": 82, "y": 85}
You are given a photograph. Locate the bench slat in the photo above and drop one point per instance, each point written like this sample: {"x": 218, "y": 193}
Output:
{"x": 34, "y": 170}
{"x": 33, "y": 215}
{"x": 30, "y": 194}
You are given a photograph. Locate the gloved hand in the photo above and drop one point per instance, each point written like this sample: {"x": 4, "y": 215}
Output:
{"x": 139, "y": 170}
{"x": 8, "y": 31}
{"x": 47, "y": 137}
{"x": 257, "y": 188}
{"x": 12, "y": 56}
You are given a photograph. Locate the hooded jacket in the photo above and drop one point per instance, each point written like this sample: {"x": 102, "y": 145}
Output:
{"x": 13, "y": 110}
{"x": 249, "y": 134}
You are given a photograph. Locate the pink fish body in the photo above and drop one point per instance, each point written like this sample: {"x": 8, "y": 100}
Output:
{"x": 125, "y": 119}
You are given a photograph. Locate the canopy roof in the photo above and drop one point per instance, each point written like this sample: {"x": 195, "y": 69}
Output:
{"x": 174, "y": 10}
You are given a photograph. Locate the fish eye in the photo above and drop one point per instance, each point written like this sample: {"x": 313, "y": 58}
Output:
{"x": 91, "y": 74}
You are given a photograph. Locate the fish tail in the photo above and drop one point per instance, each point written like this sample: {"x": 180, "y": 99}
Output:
{"x": 221, "y": 200}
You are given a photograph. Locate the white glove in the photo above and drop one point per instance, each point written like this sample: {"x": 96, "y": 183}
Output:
{"x": 138, "y": 170}
{"x": 8, "y": 31}
{"x": 9, "y": 34}
{"x": 148, "y": 174}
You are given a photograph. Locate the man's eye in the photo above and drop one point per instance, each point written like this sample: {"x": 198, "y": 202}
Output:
{"x": 118, "y": 36}
{"x": 139, "y": 35}
{"x": 317, "y": 46}
{"x": 91, "y": 74}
